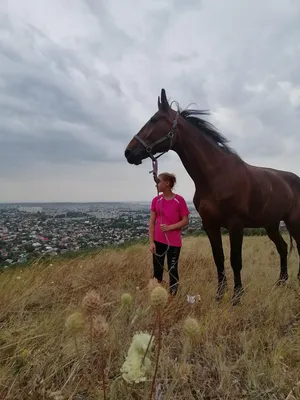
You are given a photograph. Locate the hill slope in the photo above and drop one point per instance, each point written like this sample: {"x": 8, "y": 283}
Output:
{"x": 250, "y": 352}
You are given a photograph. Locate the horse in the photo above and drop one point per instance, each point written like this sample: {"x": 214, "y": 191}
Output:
{"x": 229, "y": 193}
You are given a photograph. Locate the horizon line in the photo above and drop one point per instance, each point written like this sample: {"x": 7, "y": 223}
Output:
{"x": 79, "y": 202}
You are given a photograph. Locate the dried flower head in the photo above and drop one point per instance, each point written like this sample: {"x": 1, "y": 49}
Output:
{"x": 126, "y": 299}
{"x": 99, "y": 326}
{"x": 191, "y": 328}
{"x": 159, "y": 297}
{"x": 153, "y": 283}
{"x": 136, "y": 366}
{"x": 91, "y": 302}
{"x": 25, "y": 353}
{"x": 140, "y": 342}
{"x": 55, "y": 395}
{"x": 75, "y": 322}
{"x": 184, "y": 371}
{"x": 134, "y": 370}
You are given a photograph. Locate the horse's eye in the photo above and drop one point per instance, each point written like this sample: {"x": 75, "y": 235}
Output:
{"x": 153, "y": 120}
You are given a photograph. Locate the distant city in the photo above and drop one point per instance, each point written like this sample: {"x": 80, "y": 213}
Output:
{"x": 43, "y": 230}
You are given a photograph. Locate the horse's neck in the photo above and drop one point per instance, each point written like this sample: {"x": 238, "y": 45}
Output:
{"x": 201, "y": 159}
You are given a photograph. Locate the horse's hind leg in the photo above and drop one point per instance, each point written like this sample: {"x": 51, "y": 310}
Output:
{"x": 293, "y": 226}
{"x": 282, "y": 249}
{"x": 298, "y": 248}
{"x": 296, "y": 235}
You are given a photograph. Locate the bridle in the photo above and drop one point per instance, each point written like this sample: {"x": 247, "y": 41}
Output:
{"x": 149, "y": 147}
{"x": 170, "y": 136}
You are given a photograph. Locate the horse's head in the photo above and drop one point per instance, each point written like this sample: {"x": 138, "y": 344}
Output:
{"x": 156, "y": 136}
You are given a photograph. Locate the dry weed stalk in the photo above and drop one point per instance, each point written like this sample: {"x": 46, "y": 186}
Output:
{"x": 191, "y": 330}
{"x": 91, "y": 304}
{"x": 159, "y": 299}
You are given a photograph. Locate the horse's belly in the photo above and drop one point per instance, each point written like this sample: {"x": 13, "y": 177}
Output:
{"x": 271, "y": 210}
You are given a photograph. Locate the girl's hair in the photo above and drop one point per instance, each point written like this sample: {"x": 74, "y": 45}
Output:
{"x": 171, "y": 178}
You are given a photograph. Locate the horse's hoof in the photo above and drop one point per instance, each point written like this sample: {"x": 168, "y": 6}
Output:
{"x": 219, "y": 297}
{"x": 237, "y": 294}
{"x": 281, "y": 281}
{"x": 222, "y": 289}
{"x": 236, "y": 302}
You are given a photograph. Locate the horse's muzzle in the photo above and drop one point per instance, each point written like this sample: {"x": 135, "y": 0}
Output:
{"x": 132, "y": 158}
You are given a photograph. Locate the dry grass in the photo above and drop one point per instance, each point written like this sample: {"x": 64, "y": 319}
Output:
{"x": 246, "y": 352}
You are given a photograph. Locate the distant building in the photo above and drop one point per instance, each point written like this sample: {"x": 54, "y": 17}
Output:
{"x": 32, "y": 210}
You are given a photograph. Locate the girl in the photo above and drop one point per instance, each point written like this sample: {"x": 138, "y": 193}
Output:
{"x": 169, "y": 214}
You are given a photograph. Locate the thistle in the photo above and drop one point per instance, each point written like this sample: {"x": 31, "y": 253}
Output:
{"x": 99, "y": 327}
{"x": 75, "y": 323}
{"x": 98, "y": 330}
{"x": 126, "y": 299}
{"x": 91, "y": 302}
{"x": 159, "y": 297}
{"x": 191, "y": 328}
{"x": 137, "y": 365}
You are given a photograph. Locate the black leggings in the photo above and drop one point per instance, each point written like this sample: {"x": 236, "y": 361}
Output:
{"x": 172, "y": 259}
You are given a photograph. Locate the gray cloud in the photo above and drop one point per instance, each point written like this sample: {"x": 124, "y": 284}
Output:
{"x": 47, "y": 149}
{"x": 49, "y": 98}
{"x": 240, "y": 64}
{"x": 76, "y": 84}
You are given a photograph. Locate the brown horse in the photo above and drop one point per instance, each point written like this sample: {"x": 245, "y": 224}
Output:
{"x": 229, "y": 193}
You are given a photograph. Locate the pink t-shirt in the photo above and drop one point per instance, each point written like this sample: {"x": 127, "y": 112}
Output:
{"x": 172, "y": 211}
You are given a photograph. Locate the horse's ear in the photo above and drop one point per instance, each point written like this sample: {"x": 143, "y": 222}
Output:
{"x": 159, "y": 104}
{"x": 164, "y": 101}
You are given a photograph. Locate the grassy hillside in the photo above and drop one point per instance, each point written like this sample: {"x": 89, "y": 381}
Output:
{"x": 247, "y": 352}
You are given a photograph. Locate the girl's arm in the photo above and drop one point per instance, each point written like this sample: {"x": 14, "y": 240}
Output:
{"x": 152, "y": 226}
{"x": 180, "y": 224}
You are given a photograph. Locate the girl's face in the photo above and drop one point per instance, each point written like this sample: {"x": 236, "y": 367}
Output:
{"x": 162, "y": 185}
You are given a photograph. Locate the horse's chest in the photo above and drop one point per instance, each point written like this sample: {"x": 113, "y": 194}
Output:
{"x": 208, "y": 209}
{"x": 219, "y": 210}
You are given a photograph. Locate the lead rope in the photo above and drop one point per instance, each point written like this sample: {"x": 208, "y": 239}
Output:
{"x": 154, "y": 171}
{"x": 190, "y": 299}
{"x": 155, "y": 174}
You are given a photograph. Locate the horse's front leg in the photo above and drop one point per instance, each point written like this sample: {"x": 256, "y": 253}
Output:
{"x": 215, "y": 238}
{"x": 236, "y": 235}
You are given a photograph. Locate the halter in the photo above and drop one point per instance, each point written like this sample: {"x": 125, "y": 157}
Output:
{"x": 149, "y": 147}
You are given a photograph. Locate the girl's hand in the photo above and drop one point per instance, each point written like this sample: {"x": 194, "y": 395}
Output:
{"x": 152, "y": 247}
{"x": 165, "y": 228}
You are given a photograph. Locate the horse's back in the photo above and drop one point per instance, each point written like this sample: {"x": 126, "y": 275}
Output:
{"x": 271, "y": 194}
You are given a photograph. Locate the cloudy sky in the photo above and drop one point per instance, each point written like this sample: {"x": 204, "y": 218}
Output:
{"x": 78, "y": 78}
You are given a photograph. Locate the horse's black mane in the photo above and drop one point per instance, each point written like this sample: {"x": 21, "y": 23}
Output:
{"x": 206, "y": 128}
